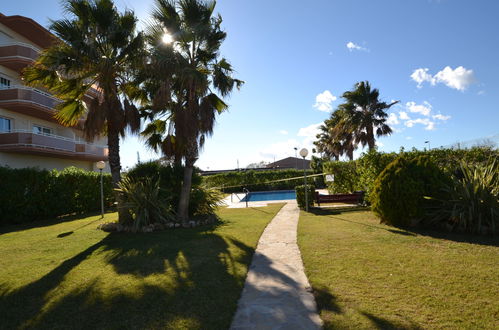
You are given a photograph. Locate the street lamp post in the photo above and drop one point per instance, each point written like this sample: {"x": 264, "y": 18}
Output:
{"x": 304, "y": 153}
{"x": 428, "y": 145}
{"x": 296, "y": 157}
{"x": 100, "y": 165}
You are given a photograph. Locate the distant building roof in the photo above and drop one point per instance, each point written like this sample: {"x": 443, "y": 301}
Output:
{"x": 291, "y": 162}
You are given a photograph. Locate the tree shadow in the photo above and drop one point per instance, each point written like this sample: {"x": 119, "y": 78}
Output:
{"x": 202, "y": 278}
{"x": 385, "y": 324}
{"x": 487, "y": 240}
{"x": 12, "y": 228}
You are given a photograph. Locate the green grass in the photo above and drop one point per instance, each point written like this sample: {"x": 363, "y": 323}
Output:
{"x": 366, "y": 275}
{"x": 71, "y": 275}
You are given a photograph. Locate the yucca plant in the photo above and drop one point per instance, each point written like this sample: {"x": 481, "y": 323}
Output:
{"x": 473, "y": 202}
{"x": 141, "y": 199}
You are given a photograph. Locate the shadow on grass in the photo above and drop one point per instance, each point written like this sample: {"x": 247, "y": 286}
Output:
{"x": 172, "y": 279}
{"x": 381, "y": 323}
{"x": 11, "y": 228}
{"x": 488, "y": 240}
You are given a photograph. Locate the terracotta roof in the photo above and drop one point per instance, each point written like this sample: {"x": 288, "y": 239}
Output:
{"x": 29, "y": 29}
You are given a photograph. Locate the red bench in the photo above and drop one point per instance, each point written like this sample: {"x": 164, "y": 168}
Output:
{"x": 355, "y": 198}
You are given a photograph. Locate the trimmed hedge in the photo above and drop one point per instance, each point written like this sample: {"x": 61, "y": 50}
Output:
{"x": 361, "y": 173}
{"x": 31, "y": 194}
{"x": 300, "y": 195}
{"x": 398, "y": 197}
{"x": 255, "y": 180}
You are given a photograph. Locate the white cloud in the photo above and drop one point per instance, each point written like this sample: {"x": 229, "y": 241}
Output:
{"x": 310, "y": 130}
{"x": 408, "y": 137}
{"x": 351, "y": 46}
{"x": 323, "y": 101}
{"x": 392, "y": 119}
{"x": 441, "y": 117}
{"x": 283, "y": 132}
{"x": 423, "y": 109}
{"x": 429, "y": 125}
{"x": 459, "y": 78}
{"x": 482, "y": 92}
{"x": 403, "y": 115}
{"x": 421, "y": 75}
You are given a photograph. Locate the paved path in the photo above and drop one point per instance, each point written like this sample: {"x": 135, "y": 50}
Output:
{"x": 276, "y": 293}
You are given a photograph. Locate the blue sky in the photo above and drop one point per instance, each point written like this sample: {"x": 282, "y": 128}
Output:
{"x": 439, "y": 58}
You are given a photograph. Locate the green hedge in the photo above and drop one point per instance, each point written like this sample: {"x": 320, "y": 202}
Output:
{"x": 31, "y": 194}
{"x": 255, "y": 180}
{"x": 398, "y": 197}
{"x": 360, "y": 174}
{"x": 300, "y": 195}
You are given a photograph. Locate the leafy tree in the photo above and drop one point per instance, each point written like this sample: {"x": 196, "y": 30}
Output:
{"x": 90, "y": 69}
{"x": 184, "y": 102}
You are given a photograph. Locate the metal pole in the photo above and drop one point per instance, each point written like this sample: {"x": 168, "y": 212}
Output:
{"x": 101, "y": 195}
{"x": 305, "y": 179}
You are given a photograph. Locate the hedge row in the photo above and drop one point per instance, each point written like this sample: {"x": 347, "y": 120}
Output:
{"x": 361, "y": 173}
{"x": 255, "y": 180}
{"x": 31, "y": 194}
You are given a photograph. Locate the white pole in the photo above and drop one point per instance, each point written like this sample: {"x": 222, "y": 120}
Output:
{"x": 101, "y": 195}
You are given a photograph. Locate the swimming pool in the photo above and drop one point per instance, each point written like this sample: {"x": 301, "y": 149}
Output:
{"x": 277, "y": 195}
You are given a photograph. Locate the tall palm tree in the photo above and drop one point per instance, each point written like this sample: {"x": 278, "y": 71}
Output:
{"x": 365, "y": 114}
{"x": 193, "y": 75}
{"x": 90, "y": 69}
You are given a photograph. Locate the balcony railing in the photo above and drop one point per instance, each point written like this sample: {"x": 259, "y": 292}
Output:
{"x": 17, "y": 55}
{"x": 23, "y": 141}
{"x": 27, "y": 100}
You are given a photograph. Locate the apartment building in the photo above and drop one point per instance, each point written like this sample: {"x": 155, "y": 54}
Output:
{"x": 30, "y": 136}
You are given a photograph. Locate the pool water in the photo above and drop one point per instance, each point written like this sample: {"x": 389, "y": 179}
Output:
{"x": 277, "y": 195}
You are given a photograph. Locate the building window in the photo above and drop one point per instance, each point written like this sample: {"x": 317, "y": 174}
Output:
{"x": 4, "y": 124}
{"x": 37, "y": 129}
{"x": 4, "y": 82}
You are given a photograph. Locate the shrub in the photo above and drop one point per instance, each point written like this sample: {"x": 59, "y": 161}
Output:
{"x": 300, "y": 195}
{"x": 345, "y": 177}
{"x": 142, "y": 200}
{"x": 472, "y": 203}
{"x": 31, "y": 194}
{"x": 202, "y": 201}
{"x": 368, "y": 168}
{"x": 398, "y": 194}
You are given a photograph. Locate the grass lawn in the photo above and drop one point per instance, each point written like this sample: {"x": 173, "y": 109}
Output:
{"x": 71, "y": 275}
{"x": 367, "y": 275}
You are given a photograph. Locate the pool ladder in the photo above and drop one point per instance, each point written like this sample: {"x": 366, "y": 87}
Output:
{"x": 246, "y": 191}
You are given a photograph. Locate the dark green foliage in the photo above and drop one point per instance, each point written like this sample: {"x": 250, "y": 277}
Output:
{"x": 300, "y": 195}
{"x": 141, "y": 197}
{"x": 31, "y": 194}
{"x": 255, "y": 180}
{"x": 202, "y": 200}
{"x": 369, "y": 166}
{"x": 472, "y": 201}
{"x": 399, "y": 191}
{"x": 346, "y": 179}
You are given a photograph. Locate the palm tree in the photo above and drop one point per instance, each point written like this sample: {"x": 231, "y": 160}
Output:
{"x": 364, "y": 113}
{"x": 193, "y": 73}
{"x": 90, "y": 69}
{"x": 335, "y": 140}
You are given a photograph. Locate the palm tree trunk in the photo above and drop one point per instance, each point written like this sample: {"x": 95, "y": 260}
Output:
{"x": 183, "y": 204}
{"x": 370, "y": 137}
{"x": 113, "y": 143}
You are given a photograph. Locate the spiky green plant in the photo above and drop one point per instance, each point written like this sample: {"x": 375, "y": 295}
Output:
{"x": 141, "y": 198}
{"x": 473, "y": 202}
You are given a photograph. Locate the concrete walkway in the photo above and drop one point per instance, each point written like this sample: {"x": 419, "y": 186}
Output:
{"x": 276, "y": 293}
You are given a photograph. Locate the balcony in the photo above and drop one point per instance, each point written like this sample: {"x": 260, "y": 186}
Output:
{"x": 26, "y": 142}
{"x": 28, "y": 101}
{"x": 17, "y": 55}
